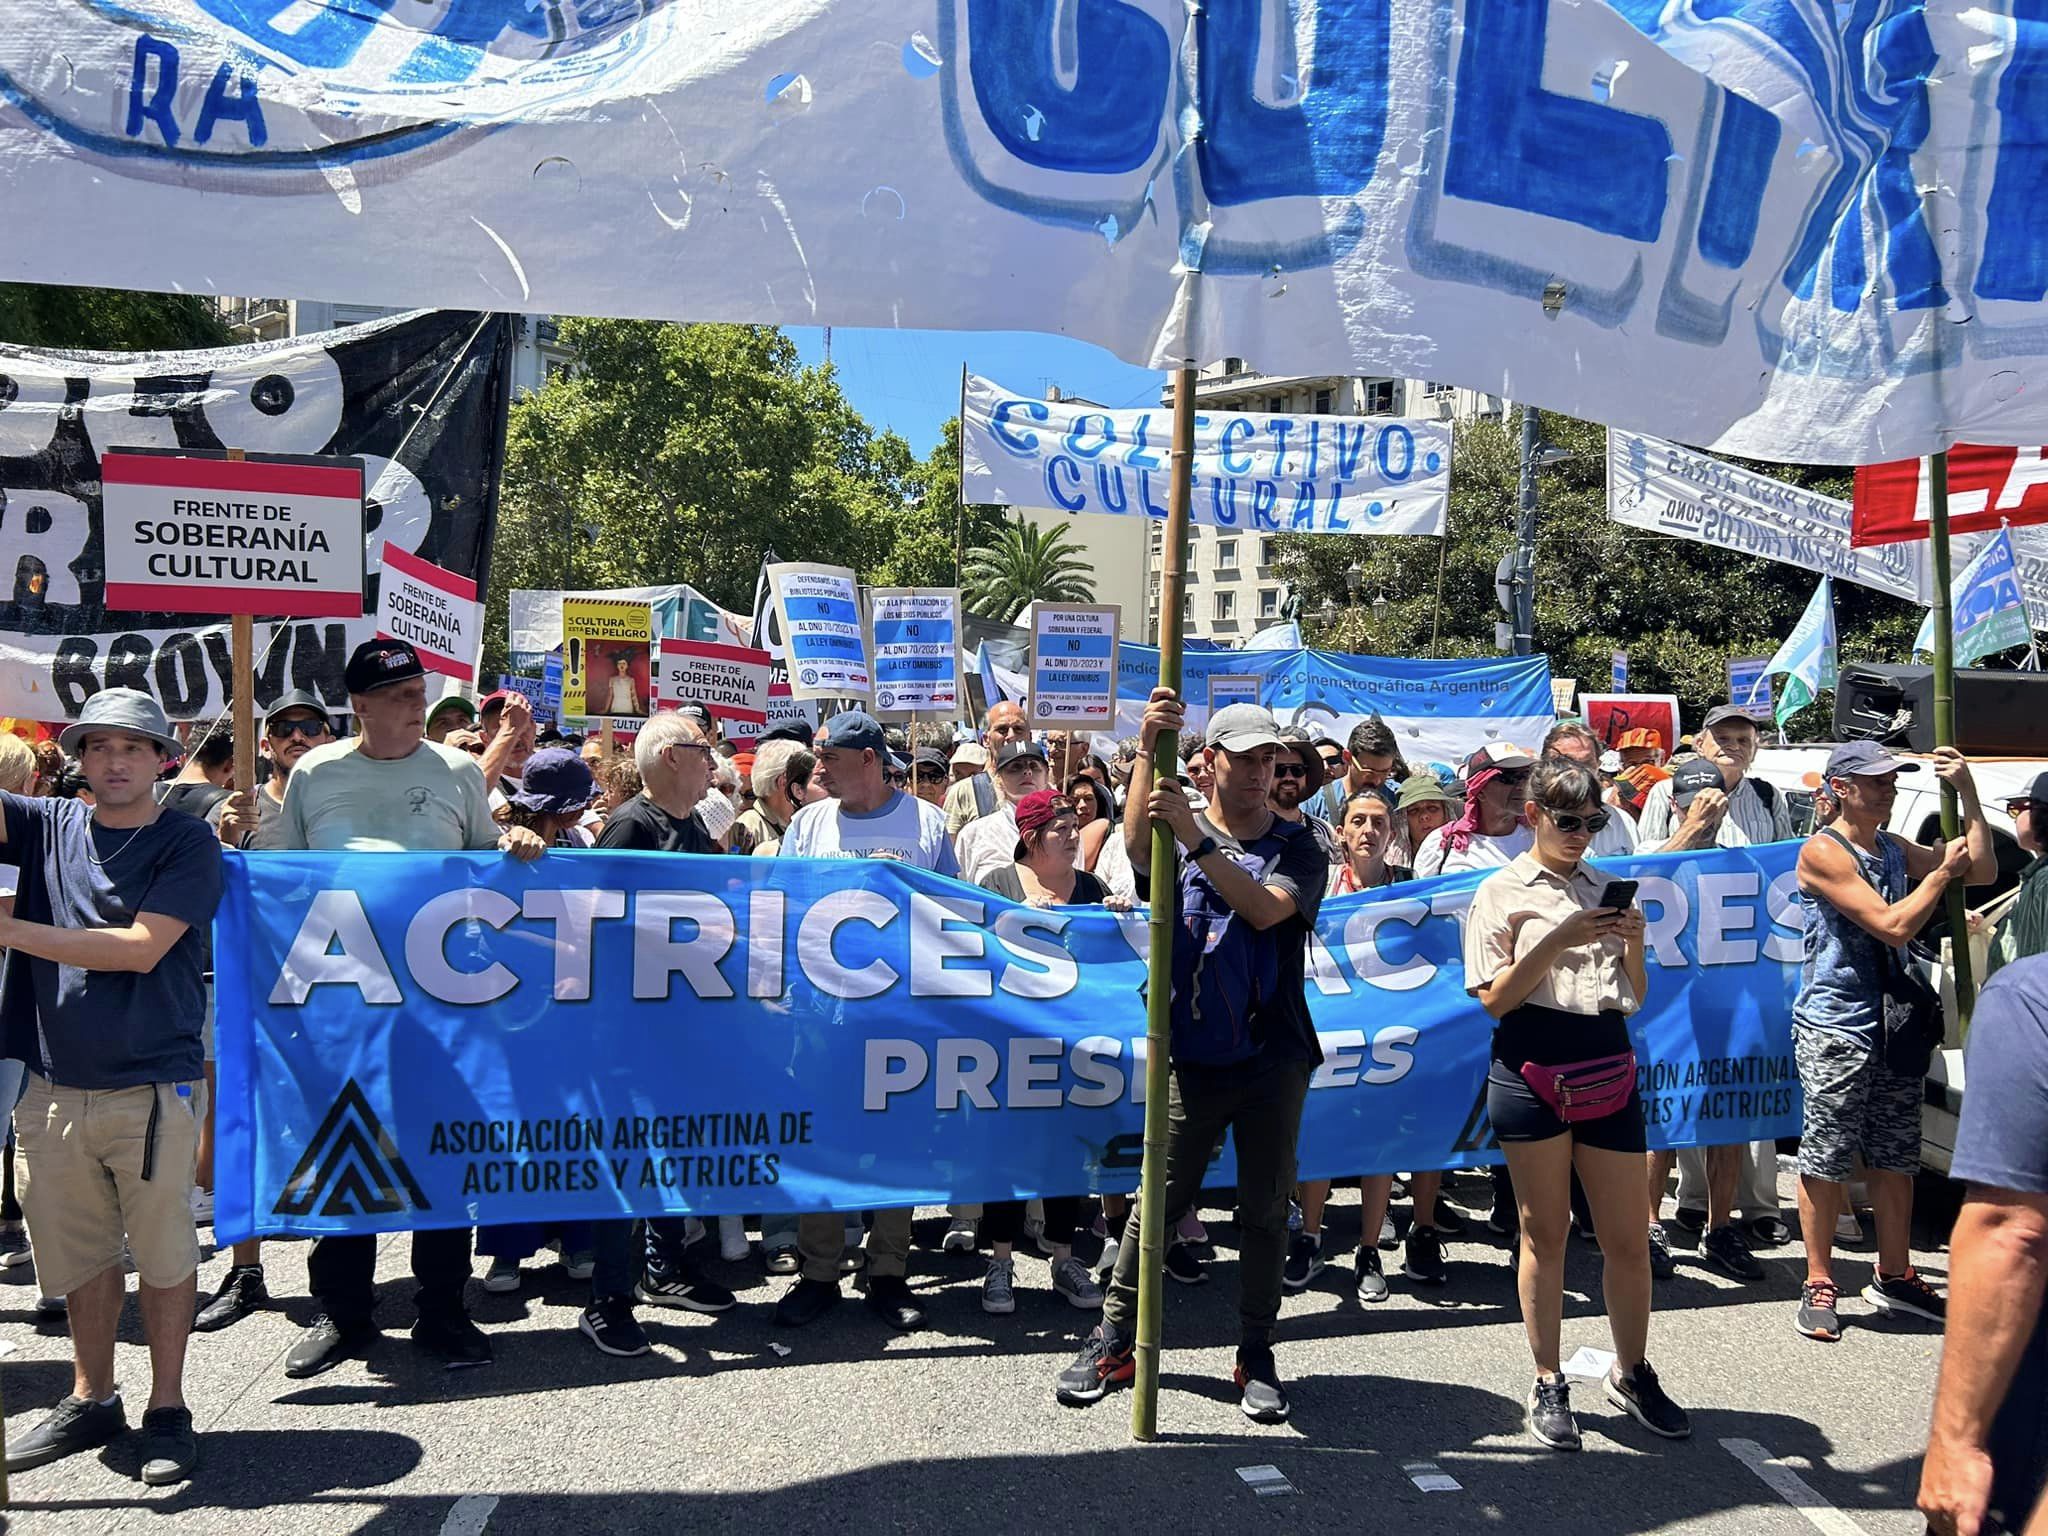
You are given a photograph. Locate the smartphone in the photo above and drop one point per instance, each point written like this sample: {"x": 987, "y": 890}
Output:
{"x": 1619, "y": 896}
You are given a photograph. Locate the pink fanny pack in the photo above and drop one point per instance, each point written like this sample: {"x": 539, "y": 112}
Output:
{"x": 1583, "y": 1090}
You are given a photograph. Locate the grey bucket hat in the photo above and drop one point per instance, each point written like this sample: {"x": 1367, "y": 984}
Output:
{"x": 121, "y": 709}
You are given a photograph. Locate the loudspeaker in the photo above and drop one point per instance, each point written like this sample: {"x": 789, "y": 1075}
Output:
{"x": 1996, "y": 712}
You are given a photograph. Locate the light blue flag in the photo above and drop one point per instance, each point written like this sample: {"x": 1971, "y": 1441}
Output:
{"x": 1990, "y": 608}
{"x": 1807, "y": 658}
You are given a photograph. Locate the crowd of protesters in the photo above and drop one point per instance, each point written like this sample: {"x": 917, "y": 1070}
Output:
{"x": 107, "y": 1015}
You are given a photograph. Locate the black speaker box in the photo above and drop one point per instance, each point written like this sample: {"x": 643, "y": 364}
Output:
{"x": 1998, "y": 713}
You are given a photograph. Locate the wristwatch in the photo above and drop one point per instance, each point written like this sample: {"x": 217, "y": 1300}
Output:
{"x": 1203, "y": 849}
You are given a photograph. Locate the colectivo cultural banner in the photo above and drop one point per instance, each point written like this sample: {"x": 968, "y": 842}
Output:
{"x": 420, "y": 399}
{"x": 1440, "y": 711}
{"x": 1252, "y": 470}
{"x": 1807, "y": 232}
{"x": 439, "y": 1040}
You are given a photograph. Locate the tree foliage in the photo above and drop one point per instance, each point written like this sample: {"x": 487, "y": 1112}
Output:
{"x": 106, "y": 319}
{"x": 1023, "y": 564}
{"x": 1679, "y": 609}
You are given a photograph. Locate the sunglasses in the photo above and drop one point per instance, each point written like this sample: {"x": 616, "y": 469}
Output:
{"x": 2015, "y": 808}
{"x": 475, "y": 749}
{"x": 1569, "y": 824}
{"x": 931, "y": 775}
{"x": 1289, "y": 771}
{"x": 281, "y": 729}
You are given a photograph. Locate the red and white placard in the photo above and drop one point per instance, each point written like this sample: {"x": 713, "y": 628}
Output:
{"x": 729, "y": 680}
{"x": 271, "y": 534}
{"x": 433, "y": 610}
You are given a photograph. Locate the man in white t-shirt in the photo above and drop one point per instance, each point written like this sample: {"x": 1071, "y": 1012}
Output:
{"x": 1576, "y": 743}
{"x": 863, "y": 818}
{"x": 989, "y": 842}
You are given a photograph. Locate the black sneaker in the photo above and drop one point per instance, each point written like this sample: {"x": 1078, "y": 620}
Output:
{"x": 1304, "y": 1261}
{"x": 1448, "y": 1221}
{"x": 170, "y": 1449}
{"x": 1372, "y": 1279}
{"x": 1182, "y": 1265}
{"x": 1769, "y": 1232}
{"x": 1908, "y": 1294}
{"x": 806, "y": 1302}
{"x": 1641, "y": 1396}
{"x": 1725, "y": 1250}
{"x": 1105, "y": 1361}
{"x": 611, "y": 1326}
{"x": 241, "y": 1292}
{"x": 454, "y": 1338}
{"x": 1690, "y": 1219}
{"x": 1816, "y": 1317}
{"x": 1550, "y": 1414}
{"x": 679, "y": 1285}
{"x": 325, "y": 1345}
{"x": 1264, "y": 1400}
{"x": 1662, "y": 1265}
{"x": 889, "y": 1298}
{"x": 76, "y": 1424}
{"x": 1422, "y": 1257}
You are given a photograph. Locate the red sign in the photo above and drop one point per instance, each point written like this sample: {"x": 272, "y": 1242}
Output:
{"x": 1986, "y": 487}
{"x": 1610, "y": 716}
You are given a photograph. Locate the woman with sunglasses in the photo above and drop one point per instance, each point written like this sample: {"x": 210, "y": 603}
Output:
{"x": 1561, "y": 972}
{"x": 1045, "y": 874}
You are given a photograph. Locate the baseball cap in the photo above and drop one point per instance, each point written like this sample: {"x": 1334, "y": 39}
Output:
{"x": 492, "y": 703}
{"x": 1640, "y": 736}
{"x": 1423, "y": 789}
{"x": 121, "y": 709}
{"x": 1864, "y": 758}
{"x": 452, "y": 701}
{"x": 929, "y": 757}
{"x": 298, "y": 698}
{"x": 1017, "y": 751}
{"x": 1691, "y": 778}
{"x": 2036, "y": 791}
{"x": 1610, "y": 761}
{"x": 1242, "y": 727}
{"x": 971, "y": 752}
{"x": 1495, "y": 755}
{"x": 1722, "y": 712}
{"x": 855, "y": 730}
{"x": 1040, "y": 808}
{"x": 379, "y": 663}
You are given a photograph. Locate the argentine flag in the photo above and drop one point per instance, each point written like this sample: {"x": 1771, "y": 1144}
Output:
{"x": 1990, "y": 607}
{"x": 1807, "y": 658}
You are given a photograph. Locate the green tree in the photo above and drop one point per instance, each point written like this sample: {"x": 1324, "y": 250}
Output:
{"x": 1024, "y": 564}
{"x": 107, "y": 319}
{"x": 930, "y": 532}
{"x": 1679, "y": 609}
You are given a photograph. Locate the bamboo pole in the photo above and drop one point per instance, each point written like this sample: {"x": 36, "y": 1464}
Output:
{"x": 1945, "y": 723}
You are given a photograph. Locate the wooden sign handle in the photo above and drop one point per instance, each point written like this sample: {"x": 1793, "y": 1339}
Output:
{"x": 243, "y": 665}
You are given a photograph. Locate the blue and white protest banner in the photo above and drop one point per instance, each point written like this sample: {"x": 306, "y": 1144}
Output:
{"x": 1989, "y": 610}
{"x": 1749, "y": 686}
{"x": 551, "y": 681}
{"x": 1313, "y": 473}
{"x": 1697, "y": 220}
{"x": 446, "y": 1039}
{"x": 915, "y": 634}
{"x": 824, "y": 638}
{"x": 534, "y": 691}
{"x": 1440, "y": 711}
{"x": 1072, "y": 674}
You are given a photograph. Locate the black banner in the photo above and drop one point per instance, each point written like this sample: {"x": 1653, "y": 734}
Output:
{"x": 419, "y": 398}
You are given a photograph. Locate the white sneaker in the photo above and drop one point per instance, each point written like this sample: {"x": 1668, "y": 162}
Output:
{"x": 202, "y": 1206}
{"x": 997, "y": 1287}
{"x": 1106, "y": 1263}
{"x": 1070, "y": 1278}
{"x": 733, "y": 1246}
{"x": 503, "y": 1278}
{"x": 1034, "y": 1231}
{"x": 1387, "y": 1237}
{"x": 960, "y": 1236}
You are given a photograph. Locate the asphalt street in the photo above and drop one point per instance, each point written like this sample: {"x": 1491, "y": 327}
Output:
{"x": 732, "y": 1424}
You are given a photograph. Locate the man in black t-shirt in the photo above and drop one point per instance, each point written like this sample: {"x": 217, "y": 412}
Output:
{"x": 1271, "y": 874}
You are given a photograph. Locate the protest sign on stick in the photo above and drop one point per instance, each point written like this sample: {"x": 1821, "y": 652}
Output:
{"x": 822, "y": 634}
{"x": 915, "y": 647}
{"x": 1073, "y": 666}
{"x": 729, "y": 680}
{"x": 606, "y": 647}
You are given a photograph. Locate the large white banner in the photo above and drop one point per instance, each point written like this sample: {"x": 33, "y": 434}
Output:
{"x": 1283, "y": 474}
{"x": 1668, "y": 488}
{"x": 1528, "y": 197}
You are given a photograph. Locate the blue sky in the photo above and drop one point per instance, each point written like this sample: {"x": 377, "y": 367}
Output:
{"x": 909, "y": 381}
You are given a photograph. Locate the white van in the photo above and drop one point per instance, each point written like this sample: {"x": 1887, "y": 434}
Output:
{"x": 1916, "y": 814}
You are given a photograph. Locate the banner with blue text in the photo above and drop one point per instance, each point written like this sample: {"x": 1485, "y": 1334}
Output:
{"x": 443, "y": 1039}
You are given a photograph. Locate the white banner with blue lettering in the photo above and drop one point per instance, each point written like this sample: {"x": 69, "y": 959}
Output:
{"x": 1291, "y": 474}
{"x": 1799, "y": 231}
{"x": 750, "y": 1035}
{"x": 1440, "y": 711}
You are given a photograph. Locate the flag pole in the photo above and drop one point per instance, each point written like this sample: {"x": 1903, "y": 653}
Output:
{"x": 1945, "y": 723}
{"x": 1165, "y": 893}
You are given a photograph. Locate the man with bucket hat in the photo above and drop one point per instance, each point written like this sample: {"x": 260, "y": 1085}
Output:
{"x": 105, "y": 998}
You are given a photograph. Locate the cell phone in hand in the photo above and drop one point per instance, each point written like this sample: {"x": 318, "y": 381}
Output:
{"x": 1619, "y": 896}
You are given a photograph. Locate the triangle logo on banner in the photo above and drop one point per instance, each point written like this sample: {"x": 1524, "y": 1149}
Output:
{"x": 1477, "y": 1136}
{"x": 351, "y": 1167}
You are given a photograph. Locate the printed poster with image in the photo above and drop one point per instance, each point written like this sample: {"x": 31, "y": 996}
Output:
{"x": 1611, "y": 715}
{"x": 606, "y": 657}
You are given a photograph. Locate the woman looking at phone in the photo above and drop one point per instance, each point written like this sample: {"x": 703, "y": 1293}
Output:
{"x": 1554, "y": 951}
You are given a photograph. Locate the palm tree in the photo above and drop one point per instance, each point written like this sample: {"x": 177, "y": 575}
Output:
{"x": 1025, "y": 564}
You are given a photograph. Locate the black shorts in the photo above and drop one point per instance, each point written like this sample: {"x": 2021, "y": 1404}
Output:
{"x": 1543, "y": 1034}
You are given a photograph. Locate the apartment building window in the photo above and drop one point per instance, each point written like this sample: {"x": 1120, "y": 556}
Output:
{"x": 1269, "y": 602}
{"x": 1322, "y": 402}
{"x": 1226, "y": 607}
{"x": 1187, "y": 607}
{"x": 1233, "y": 365}
{"x": 1436, "y": 389}
{"x": 1268, "y": 548}
{"x": 1226, "y": 554}
{"x": 1378, "y": 396}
